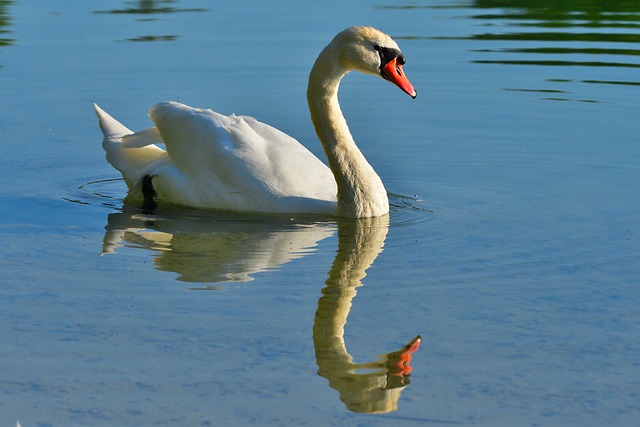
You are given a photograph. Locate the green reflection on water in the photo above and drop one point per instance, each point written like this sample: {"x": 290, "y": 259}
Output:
{"x": 612, "y": 29}
{"x": 561, "y": 36}
{"x": 167, "y": 38}
{"x": 151, "y": 7}
{"x": 558, "y": 63}
{"x": 554, "y": 7}
{"x": 612, "y": 82}
{"x": 5, "y": 21}
{"x": 565, "y": 50}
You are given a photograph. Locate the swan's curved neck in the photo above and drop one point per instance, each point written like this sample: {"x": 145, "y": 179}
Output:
{"x": 360, "y": 190}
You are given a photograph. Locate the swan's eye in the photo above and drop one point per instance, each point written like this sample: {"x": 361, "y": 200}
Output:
{"x": 388, "y": 54}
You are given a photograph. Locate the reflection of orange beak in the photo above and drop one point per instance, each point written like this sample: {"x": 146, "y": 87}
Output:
{"x": 392, "y": 71}
{"x": 399, "y": 360}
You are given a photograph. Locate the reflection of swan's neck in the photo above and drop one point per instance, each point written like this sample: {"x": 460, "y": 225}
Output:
{"x": 360, "y": 242}
{"x": 360, "y": 190}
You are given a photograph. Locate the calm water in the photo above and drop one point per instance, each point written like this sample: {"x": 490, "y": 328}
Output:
{"x": 514, "y": 251}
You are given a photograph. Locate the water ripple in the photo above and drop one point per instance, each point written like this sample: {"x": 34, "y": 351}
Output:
{"x": 408, "y": 210}
{"x": 111, "y": 193}
{"x": 102, "y": 192}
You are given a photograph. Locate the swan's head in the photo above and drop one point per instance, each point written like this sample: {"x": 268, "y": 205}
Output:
{"x": 371, "y": 51}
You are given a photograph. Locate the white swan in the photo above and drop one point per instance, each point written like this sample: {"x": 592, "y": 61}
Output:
{"x": 238, "y": 163}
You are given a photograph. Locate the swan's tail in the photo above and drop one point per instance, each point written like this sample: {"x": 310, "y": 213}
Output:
{"x": 111, "y": 128}
{"x": 133, "y": 154}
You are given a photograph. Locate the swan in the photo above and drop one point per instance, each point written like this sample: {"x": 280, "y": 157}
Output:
{"x": 237, "y": 163}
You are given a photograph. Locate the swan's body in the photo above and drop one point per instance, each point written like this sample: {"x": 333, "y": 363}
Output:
{"x": 238, "y": 163}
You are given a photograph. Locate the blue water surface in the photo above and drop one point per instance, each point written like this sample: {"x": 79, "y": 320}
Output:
{"x": 512, "y": 248}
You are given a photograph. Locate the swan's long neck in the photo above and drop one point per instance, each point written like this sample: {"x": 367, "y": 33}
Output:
{"x": 360, "y": 190}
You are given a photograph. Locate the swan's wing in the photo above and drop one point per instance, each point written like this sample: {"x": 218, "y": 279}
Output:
{"x": 241, "y": 154}
{"x": 287, "y": 165}
{"x": 142, "y": 138}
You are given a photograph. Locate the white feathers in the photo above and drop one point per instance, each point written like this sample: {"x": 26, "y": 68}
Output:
{"x": 222, "y": 162}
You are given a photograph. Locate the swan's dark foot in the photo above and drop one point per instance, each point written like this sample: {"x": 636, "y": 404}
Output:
{"x": 148, "y": 194}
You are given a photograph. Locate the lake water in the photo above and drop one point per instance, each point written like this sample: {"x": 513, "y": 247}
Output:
{"x": 512, "y": 248}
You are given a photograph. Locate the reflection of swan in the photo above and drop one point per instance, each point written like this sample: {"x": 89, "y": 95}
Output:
{"x": 237, "y": 163}
{"x": 202, "y": 247}
{"x": 377, "y": 390}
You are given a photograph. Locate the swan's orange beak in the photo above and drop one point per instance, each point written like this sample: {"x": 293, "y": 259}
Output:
{"x": 392, "y": 71}
{"x": 399, "y": 361}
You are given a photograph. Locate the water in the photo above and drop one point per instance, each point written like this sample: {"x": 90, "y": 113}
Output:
{"x": 512, "y": 247}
